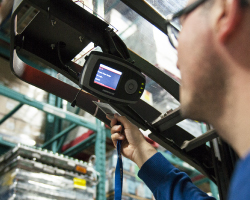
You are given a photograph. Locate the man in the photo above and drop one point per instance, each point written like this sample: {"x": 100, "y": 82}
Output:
{"x": 214, "y": 60}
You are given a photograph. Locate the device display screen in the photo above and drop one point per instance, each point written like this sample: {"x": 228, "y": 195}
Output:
{"x": 107, "y": 77}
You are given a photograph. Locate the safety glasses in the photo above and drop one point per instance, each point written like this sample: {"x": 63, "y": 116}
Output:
{"x": 173, "y": 23}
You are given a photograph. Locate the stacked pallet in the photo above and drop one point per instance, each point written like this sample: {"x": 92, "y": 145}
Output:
{"x": 32, "y": 173}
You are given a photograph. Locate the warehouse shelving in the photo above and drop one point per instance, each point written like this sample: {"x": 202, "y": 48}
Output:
{"x": 99, "y": 138}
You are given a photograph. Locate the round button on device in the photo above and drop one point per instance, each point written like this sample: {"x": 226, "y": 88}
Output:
{"x": 131, "y": 86}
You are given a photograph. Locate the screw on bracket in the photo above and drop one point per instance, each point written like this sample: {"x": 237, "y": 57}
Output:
{"x": 52, "y": 46}
{"x": 81, "y": 38}
{"x": 53, "y": 22}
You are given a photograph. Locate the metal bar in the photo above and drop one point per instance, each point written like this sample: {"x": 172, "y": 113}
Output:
{"x": 59, "y": 135}
{"x": 47, "y": 108}
{"x": 6, "y": 143}
{"x": 11, "y": 113}
{"x": 100, "y": 152}
{"x": 63, "y": 138}
{"x": 4, "y": 37}
{"x": 217, "y": 168}
{"x": 108, "y": 133}
{"x": 99, "y": 7}
{"x": 226, "y": 168}
{"x": 214, "y": 189}
{"x": 81, "y": 146}
{"x": 57, "y": 124}
{"x": 213, "y": 186}
{"x": 196, "y": 142}
{"x": 61, "y": 142}
{"x": 165, "y": 81}
{"x": 50, "y": 120}
{"x": 169, "y": 120}
{"x": 169, "y": 145}
{"x": 148, "y": 13}
{"x": 5, "y": 146}
{"x": 222, "y": 178}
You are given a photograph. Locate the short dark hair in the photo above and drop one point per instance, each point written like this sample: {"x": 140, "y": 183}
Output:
{"x": 244, "y": 2}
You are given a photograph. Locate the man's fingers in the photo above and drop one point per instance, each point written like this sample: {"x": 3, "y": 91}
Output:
{"x": 113, "y": 122}
{"x": 119, "y": 120}
{"x": 122, "y": 119}
{"x": 115, "y": 137}
{"x": 116, "y": 129}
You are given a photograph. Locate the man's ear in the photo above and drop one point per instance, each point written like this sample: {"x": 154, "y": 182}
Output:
{"x": 229, "y": 19}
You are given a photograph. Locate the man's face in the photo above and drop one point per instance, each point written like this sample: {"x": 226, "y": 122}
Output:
{"x": 202, "y": 85}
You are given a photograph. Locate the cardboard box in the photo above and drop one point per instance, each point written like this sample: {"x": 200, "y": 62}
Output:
{"x": 9, "y": 126}
{"x": 3, "y": 101}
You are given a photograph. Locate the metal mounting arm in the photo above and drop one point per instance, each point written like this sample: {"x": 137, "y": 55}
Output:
{"x": 57, "y": 33}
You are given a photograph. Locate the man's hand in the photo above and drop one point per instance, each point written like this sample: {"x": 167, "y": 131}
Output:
{"x": 134, "y": 145}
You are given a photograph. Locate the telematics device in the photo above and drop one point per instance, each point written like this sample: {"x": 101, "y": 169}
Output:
{"x": 112, "y": 78}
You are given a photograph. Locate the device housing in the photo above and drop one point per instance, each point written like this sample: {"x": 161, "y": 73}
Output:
{"x": 112, "y": 79}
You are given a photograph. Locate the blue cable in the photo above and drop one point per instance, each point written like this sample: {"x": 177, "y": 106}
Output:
{"x": 118, "y": 173}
